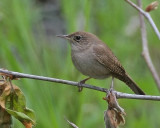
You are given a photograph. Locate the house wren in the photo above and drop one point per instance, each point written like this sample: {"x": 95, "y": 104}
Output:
{"x": 93, "y": 58}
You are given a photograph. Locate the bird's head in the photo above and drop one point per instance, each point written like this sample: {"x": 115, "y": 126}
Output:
{"x": 80, "y": 39}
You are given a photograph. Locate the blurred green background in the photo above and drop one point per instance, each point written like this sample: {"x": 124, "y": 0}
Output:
{"x": 28, "y": 44}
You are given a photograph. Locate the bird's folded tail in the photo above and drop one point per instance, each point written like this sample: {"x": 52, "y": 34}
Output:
{"x": 132, "y": 85}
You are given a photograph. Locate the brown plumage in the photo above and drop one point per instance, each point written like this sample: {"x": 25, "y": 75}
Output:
{"x": 93, "y": 58}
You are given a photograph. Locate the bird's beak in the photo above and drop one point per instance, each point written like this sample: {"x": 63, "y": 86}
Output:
{"x": 64, "y": 36}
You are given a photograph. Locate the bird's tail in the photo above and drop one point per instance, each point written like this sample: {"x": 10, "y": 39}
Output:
{"x": 132, "y": 85}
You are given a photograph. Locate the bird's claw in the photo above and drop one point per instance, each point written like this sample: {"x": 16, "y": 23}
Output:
{"x": 80, "y": 87}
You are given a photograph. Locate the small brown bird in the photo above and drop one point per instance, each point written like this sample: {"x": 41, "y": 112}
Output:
{"x": 93, "y": 58}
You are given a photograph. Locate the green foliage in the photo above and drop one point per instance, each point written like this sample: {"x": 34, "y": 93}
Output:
{"x": 19, "y": 110}
{"x": 14, "y": 103}
{"x": 26, "y": 48}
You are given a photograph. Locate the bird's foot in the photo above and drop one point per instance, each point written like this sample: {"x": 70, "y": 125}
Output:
{"x": 80, "y": 87}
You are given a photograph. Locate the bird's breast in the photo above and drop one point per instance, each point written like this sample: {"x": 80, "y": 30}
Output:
{"x": 86, "y": 63}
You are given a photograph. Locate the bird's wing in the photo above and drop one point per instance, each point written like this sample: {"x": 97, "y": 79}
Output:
{"x": 105, "y": 57}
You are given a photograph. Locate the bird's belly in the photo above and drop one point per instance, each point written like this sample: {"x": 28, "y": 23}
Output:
{"x": 89, "y": 66}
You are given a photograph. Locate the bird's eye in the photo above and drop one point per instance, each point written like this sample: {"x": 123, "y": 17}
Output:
{"x": 77, "y": 38}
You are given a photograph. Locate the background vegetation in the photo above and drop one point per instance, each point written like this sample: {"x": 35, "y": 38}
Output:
{"x": 28, "y": 44}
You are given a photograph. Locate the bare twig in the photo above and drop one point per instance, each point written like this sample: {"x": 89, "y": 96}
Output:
{"x": 134, "y": 96}
{"x": 147, "y": 16}
{"x": 72, "y": 124}
{"x": 145, "y": 51}
{"x": 67, "y": 82}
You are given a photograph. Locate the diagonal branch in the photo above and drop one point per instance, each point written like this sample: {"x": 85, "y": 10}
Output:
{"x": 145, "y": 51}
{"x": 71, "y": 124}
{"x": 147, "y": 16}
{"x": 67, "y": 82}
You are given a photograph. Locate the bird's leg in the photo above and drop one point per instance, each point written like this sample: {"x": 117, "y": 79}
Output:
{"x": 112, "y": 83}
{"x": 109, "y": 91}
{"x": 82, "y": 82}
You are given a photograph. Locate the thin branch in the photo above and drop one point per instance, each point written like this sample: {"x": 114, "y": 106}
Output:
{"x": 71, "y": 124}
{"x": 145, "y": 51}
{"x": 147, "y": 16}
{"x": 134, "y": 96}
{"x": 67, "y": 82}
